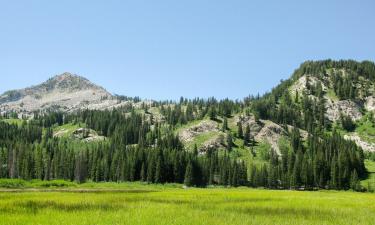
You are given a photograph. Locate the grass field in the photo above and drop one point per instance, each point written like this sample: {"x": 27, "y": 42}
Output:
{"x": 136, "y": 203}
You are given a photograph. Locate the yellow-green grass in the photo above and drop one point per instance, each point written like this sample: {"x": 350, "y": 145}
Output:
{"x": 171, "y": 205}
{"x": 190, "y": 124}
{"x": 14, "y": 121}
{"x": 332, "y": 95}
{"x": 366, "y": 130}
{"x": 66, "y": 130}
{"x": 200, "y": 139}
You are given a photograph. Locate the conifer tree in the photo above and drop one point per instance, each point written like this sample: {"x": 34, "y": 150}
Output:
{"x": 143, "y": 172}
{"x": 225, "y": 125}
{"x": 189, "y": 176}
{"x": 229, "y": 141}
{"x": 239, "y": 130}
{"x": 247, "y": 134}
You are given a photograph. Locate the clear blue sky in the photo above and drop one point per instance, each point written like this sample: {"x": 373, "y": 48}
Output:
{"x": 167, "y": 49}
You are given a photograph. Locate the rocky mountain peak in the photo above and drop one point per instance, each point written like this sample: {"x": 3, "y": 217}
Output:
{"x": 68, "y": 81}
{"x": 65, "y": 92}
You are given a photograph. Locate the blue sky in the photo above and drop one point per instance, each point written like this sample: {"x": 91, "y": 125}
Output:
{"x": 167, "y": 49}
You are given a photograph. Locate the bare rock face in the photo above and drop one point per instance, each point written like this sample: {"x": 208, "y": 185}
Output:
{"x": 214, "y": 143}
{"x": 264, "y": 130}
{"x": 370, "y": 103}
{"x": 271, "y": 132}
{"x": 304, "y": 134}
{"x": 65, "y": 92}
{"x": 366, "y": 146}
{"x": 248, "y": 121}
{"x": 346, "y": 107}
{"x": 187, "y": 135}
{"x": 87, "y": 135}
{"x": 300, "y": 84}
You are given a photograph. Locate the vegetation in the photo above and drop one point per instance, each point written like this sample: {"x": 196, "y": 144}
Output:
{"x": 136, "y": 203}
{"x": 366, "y": 127}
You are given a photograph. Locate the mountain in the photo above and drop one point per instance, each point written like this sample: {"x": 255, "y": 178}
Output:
{"x": 313, "y": 130}
{"x": 66, "y": 92}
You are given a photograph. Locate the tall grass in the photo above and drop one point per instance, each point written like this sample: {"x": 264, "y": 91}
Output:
{"x": 18, "y": 183}
{"x": 172, "y": 205}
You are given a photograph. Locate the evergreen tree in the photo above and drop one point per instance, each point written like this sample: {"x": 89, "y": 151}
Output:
{"x": 247, "y": 134}
{"x": 240, "y": 131}
{"x": 229, "y": 141}
{"x": 225, "y": 125}
{"x": 189, "y": 176}
{"x": 354, "y": 181}
{"x": 143, "y": 172}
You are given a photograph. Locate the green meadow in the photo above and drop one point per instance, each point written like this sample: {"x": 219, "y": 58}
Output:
{"x": 138, "y": 203}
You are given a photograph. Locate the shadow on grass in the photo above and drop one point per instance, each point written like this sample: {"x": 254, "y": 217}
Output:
{"x": 34, "y": 207}
{"x": 283, "y": 212}
{"x": 77, "y": 190}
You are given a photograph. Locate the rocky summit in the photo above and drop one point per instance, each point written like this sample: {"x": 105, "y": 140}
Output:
{"x": 65, "y": 92}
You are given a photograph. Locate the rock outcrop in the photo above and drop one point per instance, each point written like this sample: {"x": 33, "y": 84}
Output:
{"x": 346, "y": 107}
{"x": 366, "y": 146}
{"x": 187, "y": 135}
{"x": 271, "y": 133}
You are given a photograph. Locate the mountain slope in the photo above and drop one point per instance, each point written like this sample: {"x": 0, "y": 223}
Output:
{"x": 66, "y": 92}
{"x": 327, "y": 94}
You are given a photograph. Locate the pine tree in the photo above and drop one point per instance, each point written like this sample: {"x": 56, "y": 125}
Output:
{"x": 151, "y": 170}
{"x": 225, "y": 125}
{"x": 234, "y": 175}
{"x": 212, "y": 113}
{"x": 159, "y": 170}
{"x": 247, "y": 134}
{"x": 239, "y": 130}
{"x": 229, "y": 141}
{"x": 143, "y": 172}
{"x": 354, "y": 181}
{"x": 296, "y": 177}
{"x": 333, "y": 183}
{"x": 189, "y": 176}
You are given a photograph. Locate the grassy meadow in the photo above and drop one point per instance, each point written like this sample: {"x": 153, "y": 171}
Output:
{"x": 137, "y": 203}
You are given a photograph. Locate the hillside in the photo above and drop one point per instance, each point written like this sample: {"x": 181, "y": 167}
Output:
{"x": 314, "y": 130}
{"x": 333, "y": 94}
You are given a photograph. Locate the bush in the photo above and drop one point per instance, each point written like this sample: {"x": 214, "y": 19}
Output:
{"x": 12, "y": 183}
{"x": 53, "y": 183}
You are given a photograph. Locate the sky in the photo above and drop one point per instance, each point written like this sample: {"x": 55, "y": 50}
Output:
{"x": 166, "y": 49}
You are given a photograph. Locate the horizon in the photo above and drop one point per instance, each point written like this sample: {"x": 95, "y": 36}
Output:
{"x": 168, "y": 49}
{"x": 178, "y": 98}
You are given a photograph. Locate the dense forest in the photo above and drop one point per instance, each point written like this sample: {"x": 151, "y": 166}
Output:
{"x": 138, "y": 147}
